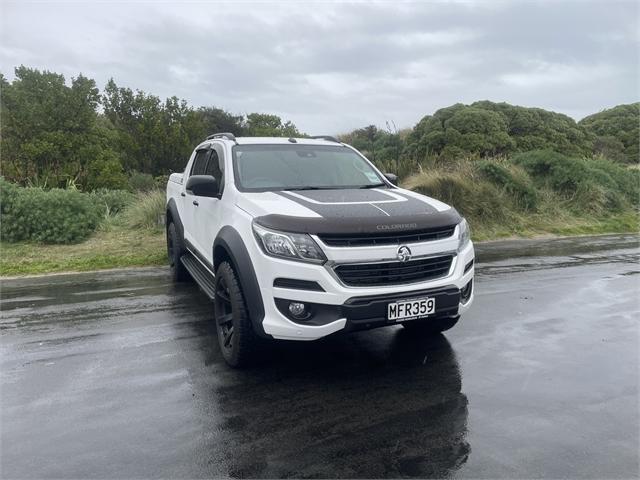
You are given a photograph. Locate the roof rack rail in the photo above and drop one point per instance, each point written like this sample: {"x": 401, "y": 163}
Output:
{"x": 329, "y": 138}
{"x": 228, "y": 136}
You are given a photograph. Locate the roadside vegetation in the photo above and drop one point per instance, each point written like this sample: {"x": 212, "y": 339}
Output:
{"x": 66, "y": 230}
{"x": 535, "y": 193}
{"x": 84, "y": 172}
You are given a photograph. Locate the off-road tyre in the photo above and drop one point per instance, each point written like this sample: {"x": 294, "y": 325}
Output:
{"x": 238, "y": 341}
{"x": 175, "y": 250}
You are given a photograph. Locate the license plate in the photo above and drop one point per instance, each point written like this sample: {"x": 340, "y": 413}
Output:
{"x": 411, "y": 309}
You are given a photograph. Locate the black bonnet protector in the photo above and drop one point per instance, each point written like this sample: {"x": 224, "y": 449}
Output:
{"x": 360, "y": 211}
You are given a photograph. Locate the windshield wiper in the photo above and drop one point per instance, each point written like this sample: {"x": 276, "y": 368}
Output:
{"x": 374, "y": 185}
{"x": 306, "y": 187}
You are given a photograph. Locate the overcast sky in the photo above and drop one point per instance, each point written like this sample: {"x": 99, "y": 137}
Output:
{"x": 332, "y": 67}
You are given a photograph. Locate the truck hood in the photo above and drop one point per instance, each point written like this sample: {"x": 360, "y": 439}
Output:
{"x": 347, "y": 211}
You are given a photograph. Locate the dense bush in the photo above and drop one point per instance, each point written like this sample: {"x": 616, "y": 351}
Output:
{"x": 561, "y": 173}
{"x": 55, "y": 131}
{"x": 141, "y": 182}
{"x": 591, "y": 184}
{"x": 532, "y": 191}
{"x": 57, "y": 215}
{"x": 382, "y": 147}
{"x": 160, "y": 181}
{"x": 487, "y": 129}
{"x": 626, "y": 179}
{"x": 617, "y": 132}
{"x": 515, "y": 184}
{"x": 48, "y": 216}
{"x": 111, "y": 202}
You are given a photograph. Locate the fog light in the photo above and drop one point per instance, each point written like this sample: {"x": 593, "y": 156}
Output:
{"x": 297, "y": 309}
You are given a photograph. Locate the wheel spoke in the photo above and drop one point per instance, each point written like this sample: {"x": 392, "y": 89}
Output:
{"x": 228, "y": 335}
{"x": 223, "y": 294}
{"x": 225, "y": 319}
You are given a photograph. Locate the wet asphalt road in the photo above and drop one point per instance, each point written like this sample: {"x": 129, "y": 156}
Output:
{"x": 118, "y": 375}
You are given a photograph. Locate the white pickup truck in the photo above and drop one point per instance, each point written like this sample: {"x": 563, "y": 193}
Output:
{"x": 301, "y": 238}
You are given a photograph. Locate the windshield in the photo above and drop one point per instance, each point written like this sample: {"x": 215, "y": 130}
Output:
{"x": 297, "y": 167}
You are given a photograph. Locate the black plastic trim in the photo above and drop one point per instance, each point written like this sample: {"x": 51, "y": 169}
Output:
{"x": 356, "y": 225}
{"x": 319, "y": 313}
{"x": 226, "y": 135}
{"x": 202, "y": 275}
{"x": 387, "y": 238}
{"x": 466, "y": 291}
{"x": 367, "y": 312}
{"x": 194, "y": 251}
{"x": 230, "y": 242}
{"x": 468, "y": 266}
{"x": 175, "y": 217}
{"x": 394, "y": 273}
{"x": 328, "y": 138}
{"x": 373, "y": 309}
{"x": 296, "y": 284}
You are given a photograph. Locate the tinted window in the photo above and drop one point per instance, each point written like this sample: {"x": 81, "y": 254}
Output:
{"x": 280, "y": 167}
{"x": 200, "y": 163}
{"x": 213, "y": 166}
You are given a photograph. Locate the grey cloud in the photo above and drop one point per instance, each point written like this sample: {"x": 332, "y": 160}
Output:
{"x": 334, "y": 67}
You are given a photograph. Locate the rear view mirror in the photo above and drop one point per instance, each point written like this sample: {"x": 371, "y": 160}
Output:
{"x": 391, "y": 177}
{"x": 203, "y": 186}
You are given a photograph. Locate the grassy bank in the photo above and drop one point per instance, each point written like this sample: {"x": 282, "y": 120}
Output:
{"x": 536, "y": 193}
{"x": 130, "y": 238}
{"x": 116, "y": 248}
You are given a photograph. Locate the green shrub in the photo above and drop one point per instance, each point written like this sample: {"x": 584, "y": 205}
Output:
{"x": 47, "y": 216}
{"x": 626, "y": 179}
{"x": 112, "y": 202}
{"x": 141, "y": 182}
{"x": 105, "y": 172}
{"x": 518, "y": 186}
{"x": 561, "y": 173}
{"x": 160, "y": 182}
{"x": 146, "y": 210}
{"x": 591, "y": 185}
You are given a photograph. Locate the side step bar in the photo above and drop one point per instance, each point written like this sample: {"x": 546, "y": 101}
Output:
{"x": 203, "y": 277}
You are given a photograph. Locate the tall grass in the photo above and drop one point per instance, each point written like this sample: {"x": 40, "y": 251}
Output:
{"x": 146, "y": 211}
{"x": 535, "y": 192}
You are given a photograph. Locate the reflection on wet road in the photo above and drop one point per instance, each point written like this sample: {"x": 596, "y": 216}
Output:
{"x": 118, "y": 375}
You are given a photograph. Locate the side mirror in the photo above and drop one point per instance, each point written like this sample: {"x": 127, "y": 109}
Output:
{"x": 391, "y": 177}
{"x": 203, "y": 186}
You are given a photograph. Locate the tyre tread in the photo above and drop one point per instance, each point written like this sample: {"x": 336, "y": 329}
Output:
{"x": 248, "y": 342}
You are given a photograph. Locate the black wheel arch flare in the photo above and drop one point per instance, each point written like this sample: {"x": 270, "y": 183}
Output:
{"x": 229, "y": 245}
{"x": 172, "y": 211}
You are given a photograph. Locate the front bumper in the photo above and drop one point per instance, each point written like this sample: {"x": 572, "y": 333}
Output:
{"x": 343, "y": 308}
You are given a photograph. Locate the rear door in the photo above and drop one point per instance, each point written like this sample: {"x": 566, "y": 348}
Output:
{"x": 207, "y": 214}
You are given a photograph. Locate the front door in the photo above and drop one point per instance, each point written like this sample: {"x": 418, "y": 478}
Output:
{"x": 191, "y": 202}
{"x": 207, "y": 212}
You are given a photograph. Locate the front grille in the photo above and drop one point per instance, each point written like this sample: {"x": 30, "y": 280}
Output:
{"x": 394, "y": 273}
{"x": 387, "y": 238}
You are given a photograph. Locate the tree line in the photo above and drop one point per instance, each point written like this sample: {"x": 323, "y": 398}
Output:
{"x": 56, "y": 133}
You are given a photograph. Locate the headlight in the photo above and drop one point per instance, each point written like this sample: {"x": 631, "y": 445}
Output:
{"x": 293, "y": 246}
{"x": 464, "y": 234}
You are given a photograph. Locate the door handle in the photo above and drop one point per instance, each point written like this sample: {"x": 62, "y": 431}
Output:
{"x": 195, "y": 202}
{"x": 182, "y": 194}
